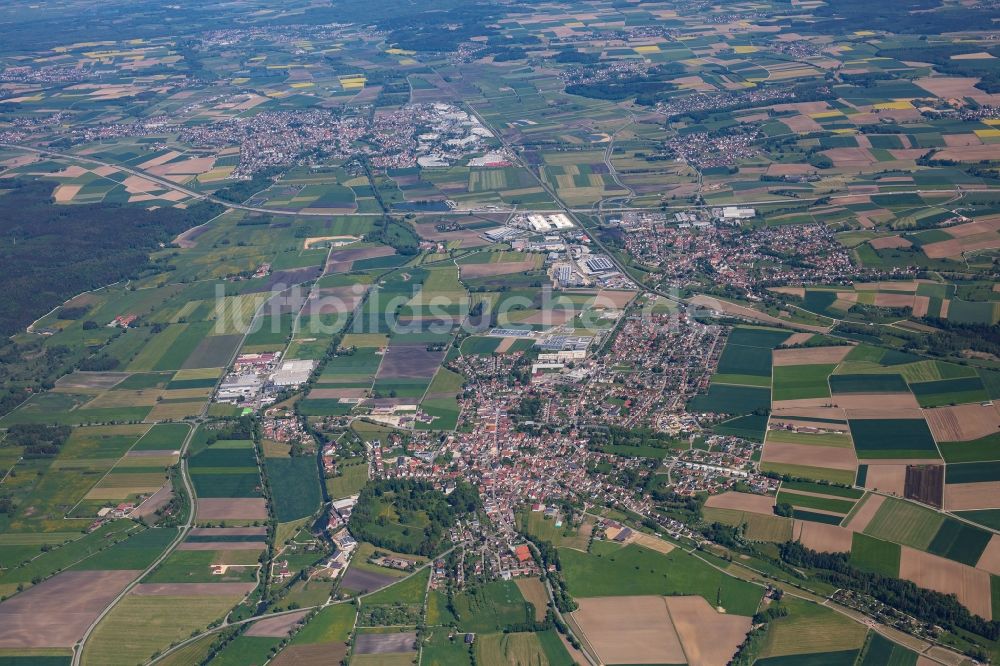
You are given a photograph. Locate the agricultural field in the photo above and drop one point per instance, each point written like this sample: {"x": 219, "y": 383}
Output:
{"x": 298, "y": 298}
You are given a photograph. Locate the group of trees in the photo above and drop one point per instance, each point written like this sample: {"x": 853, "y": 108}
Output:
{"x": 39, "y": 441}
{"x": 398, "y": 235}
{"x": 944, "y": 610}
{"x": 409, "y": 497}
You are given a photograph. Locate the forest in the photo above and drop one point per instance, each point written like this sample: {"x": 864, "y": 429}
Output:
{"x": 52, "y": 252}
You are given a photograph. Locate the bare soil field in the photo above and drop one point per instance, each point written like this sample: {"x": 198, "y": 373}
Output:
{"x": 276, "y": 627}
{"x": 409, "y": 360}
{"x": 91, "y": 380}
{"x": 384, "y": 643}
{"x": 921, "y": 304}
{"x": 971, "y": 586}
{"x": 822, "y": 537}
{"x": 808, "y": 355}
{"x": 228, "y": 531}
{"x": 709, "y": 637}
{"x": 885, "y": 401}
{"x": 467, "y": 237}
{"x": 810, "y": 413}
{"x": 192, "y": 589}
{"x": 56, "y": 612}
{"x": 956, "y": 86}
{"x": 955, "y": 247}
{"x": 221, "y": 508}
{"x": 726, "y": 307}
{"x": 612, "y": 300}
{"x": 651, "y": 542}
{"x": 850, "y": 157}
{"x": 320, "y": 654}
{"x": 155, "y": 502}
{"x": 971, "y": 496}
{"x": 533, "y": 590}
{"x": 889, "y": 479}
{"x": 743, "y": 502}
{"x": 334, "y": 300}
{"x": 884, "y": 300}
{"x": 221, "y": 545}
{"x": 797, "y": 338}
{"x": 812, "y": 456}
{"x": 341, "y": 261}
{"x": 968, "y": 152}
{"x": 865, "y": 512}
{"x": 961, "y": 423}
{"x": 498, "y": 268}
{"x": 365, "y": 581}
{"x": 331, "y": 394}
{"x": 888, "y": 242}
{"x": 630, "y": 630}
{"x": 990, "y": 559}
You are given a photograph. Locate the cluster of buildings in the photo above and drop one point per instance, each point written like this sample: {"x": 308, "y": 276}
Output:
{"x": 256, "y": 379}
{"x": 726, "y": 463}
{"x": 682, "y": 251}
{"x": 447, "y": 134}
{"x": 724, "y": 148}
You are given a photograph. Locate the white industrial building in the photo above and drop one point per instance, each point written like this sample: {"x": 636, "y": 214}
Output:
{"x": 293, "y": 373}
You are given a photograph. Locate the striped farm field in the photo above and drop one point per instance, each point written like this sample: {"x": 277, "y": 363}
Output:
{"x": 809, "y": 628}
{"x": 905, "y": 523}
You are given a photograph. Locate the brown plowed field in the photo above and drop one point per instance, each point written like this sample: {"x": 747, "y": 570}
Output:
{"x": 276, "y": 627}
{"x": 813, "y": 456}
{"x": 808, "y": 355}
{"x": 990, "y": 559}
{"x": 962, "y": 423}
{"x": 221, "y": 508}
{"x": 971, "y": 496}
{"x": 971, "y": 586}
{"x": 498, "y": 268}
{"x": 890, "y": 402}
{"x": 743, "y": 502}
{"x": 822, "y": 537}
{"x": 630, "y": 630}
{"x": 709, "y": 637}
{"x": 56, "y": 612}
{"x": 864, "y": 514}
{"x": 191, "y": 589}
{"x": 887, "y": 478}
{"x": 321, "y": 654}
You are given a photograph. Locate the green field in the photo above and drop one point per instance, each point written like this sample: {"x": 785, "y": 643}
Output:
{"x": 294, "y": 483}
{"x": 880, "y": 651}
{"x": 490, "y": 607}
{"x": 905, "y": 523}
{"x": 792, "y": 382}
{"x": 611, "y": 570}
{"x": 892, "y": 438}
{"x": 810, "y": 629}
{"x": 871, "y": 554}
{"x": 332, "y": 624}
{"x": 166, "y": 619}
{"x": 983, "y": 449}
{"x": 407, "y": 591}
{"x": 731, "y": 399}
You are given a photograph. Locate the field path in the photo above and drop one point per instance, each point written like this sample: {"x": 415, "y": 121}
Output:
{"x": 181, "y": 534}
